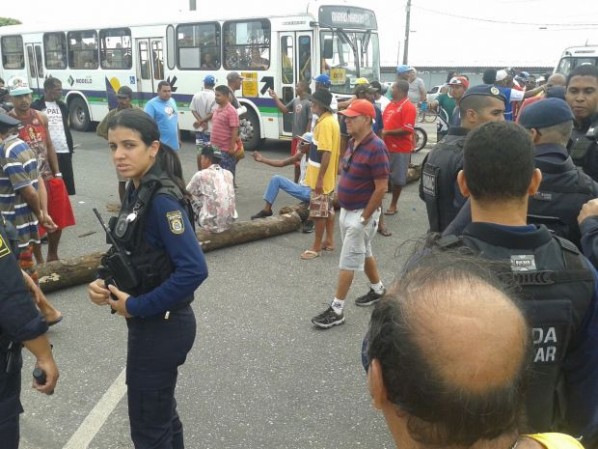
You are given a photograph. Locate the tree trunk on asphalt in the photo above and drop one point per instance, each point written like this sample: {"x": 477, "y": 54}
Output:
{"x": 81, "y": 270}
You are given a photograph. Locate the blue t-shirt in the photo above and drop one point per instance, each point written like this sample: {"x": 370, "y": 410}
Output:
{"x": 165, "y": 114}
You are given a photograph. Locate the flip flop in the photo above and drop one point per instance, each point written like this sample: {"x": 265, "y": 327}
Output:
{"x": 391, "y": 212}
{"x": 308, "y": 254}
{"x": 384, "y": 231}
{"x": 327, "y": 248}
{"x": 56, "y": 321}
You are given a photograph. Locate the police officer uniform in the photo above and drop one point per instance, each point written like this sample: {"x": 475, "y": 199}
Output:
{"x": 560, "y": 300}
{"x": 19, "y": 321}
{"x": 154, "y": 230}
{"x": 584, "y": 146}
{"x": 438, "y": 184}
{"x": 564, "y": 189}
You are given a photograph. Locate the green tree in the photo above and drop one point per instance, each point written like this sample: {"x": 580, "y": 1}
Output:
{"x": 8, "y": 21}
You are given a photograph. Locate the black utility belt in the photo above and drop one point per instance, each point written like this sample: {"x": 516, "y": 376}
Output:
{"x": 166, "y": 315}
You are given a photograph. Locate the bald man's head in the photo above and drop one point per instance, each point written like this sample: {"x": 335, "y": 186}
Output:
{"x": 453, "y": 346}
{"x": 556, "y": 79}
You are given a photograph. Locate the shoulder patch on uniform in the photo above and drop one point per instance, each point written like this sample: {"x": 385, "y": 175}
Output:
{"x": 4, "y": 248}
{"x": 175, "y": 221}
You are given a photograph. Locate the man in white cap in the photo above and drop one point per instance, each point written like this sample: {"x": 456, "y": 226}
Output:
{"x": 504, "y": 82}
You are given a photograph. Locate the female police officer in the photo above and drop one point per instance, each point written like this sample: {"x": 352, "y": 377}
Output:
{"x": 167, "y": 264}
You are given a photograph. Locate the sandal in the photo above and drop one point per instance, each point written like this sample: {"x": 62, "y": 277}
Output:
{"x": 308, "y": 254}
{"x": 383, "y": 230}
{"x": 327, "y": 248}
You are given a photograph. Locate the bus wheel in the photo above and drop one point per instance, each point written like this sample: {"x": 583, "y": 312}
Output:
{"x": 79, "y": 114}
{"x": 250, "y": 131}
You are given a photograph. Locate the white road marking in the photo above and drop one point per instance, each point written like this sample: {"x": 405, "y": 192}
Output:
{"x": 98, "y": 415}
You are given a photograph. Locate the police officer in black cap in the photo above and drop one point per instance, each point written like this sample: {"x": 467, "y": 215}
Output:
{"x": 558, "y": 285}
{"x": 438, "y": 187}
{"x": 582, "y": 96}
{"x": 564, "y": 188}
{"x": 21, "y": 324}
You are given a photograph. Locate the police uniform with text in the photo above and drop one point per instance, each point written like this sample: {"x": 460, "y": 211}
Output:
{"x": 583, "y": 146}
{"x": 154, "y": 229}
{"x": 558, "y": 289}
{"x": 19, "y": 321}
{"x": 438, "y": 184}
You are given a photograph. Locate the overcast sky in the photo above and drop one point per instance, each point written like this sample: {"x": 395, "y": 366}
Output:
{"x": 444, "y": 32}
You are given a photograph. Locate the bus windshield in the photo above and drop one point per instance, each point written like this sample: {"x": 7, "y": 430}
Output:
{"x": 568, "y": 63}
{"x": 348, "y": 55}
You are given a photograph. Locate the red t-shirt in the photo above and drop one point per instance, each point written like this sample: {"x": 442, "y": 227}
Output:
{"x": 399, "y": 114}
{"x": 224, "y": 121}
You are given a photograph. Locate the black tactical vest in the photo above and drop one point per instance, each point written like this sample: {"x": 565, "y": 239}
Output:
{"x": 438, "y": 180}
{"x": 584, "y": 148}
{"x": 562, "y": 193}
{"x": 556, "y": 290}
{"x": 152, "y": 266}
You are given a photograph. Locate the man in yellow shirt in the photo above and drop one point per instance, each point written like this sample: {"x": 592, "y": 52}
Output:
{"x": 322, "y": 168}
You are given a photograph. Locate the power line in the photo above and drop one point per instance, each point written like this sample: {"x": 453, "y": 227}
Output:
{"x": 504, "y": 22}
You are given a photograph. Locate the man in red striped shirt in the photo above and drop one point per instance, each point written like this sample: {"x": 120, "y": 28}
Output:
{"x": 225, "y": 128}
{"x": 361, "y": 188}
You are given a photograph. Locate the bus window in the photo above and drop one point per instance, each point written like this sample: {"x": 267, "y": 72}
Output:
{"x": 158, "y": 59}
{"x": 304, "y": 58}
{"x": 13, "y": 56}
{"x": 115, "y": 48}
{"x": 286, "y": 56}
{"x": 247, "y": 45}
{"x": 198, "y": 46}
{"x": 55, "y": 50}
{"x": 31, "y": 60}
{"x": 39, "y": 61}
{"x": 170, "y": 47}
{"x": 83, "y": 49}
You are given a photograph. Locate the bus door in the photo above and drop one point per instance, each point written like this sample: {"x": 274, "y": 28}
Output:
{"x": 35, "y": 66}
{"x": 150, "y": 67}
{"x": 295, "y": 65}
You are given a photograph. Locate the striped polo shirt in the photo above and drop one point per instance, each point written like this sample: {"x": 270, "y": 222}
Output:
{"x": 361, "y": 166}
{"x": 18, "y": 165}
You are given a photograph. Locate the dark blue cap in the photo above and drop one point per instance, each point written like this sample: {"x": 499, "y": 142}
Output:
{"x": 6, "y": 121}
{"x": 545, "y": 113}
{"x": 556, "y": 92}
{"x": 485, "y": 90}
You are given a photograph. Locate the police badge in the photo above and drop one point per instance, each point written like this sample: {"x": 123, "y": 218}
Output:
{"x": 175, "y": 221}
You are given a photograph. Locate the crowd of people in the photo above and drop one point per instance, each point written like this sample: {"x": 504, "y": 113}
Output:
{"x": 487, "y": 338}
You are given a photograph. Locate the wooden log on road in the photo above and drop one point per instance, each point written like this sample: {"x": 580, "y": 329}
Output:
{"x": 81, "y": 270}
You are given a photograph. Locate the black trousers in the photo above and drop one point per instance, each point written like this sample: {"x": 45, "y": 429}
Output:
{"x": 156, "y": 348}
{"x": 65, "y": 164}
{"x": 10, "y": 404}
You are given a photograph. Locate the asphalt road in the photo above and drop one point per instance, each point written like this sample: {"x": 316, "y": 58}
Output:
{"x": 260, "y": 375}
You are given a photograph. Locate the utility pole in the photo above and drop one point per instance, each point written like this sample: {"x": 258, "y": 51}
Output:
{"x": 407, "y": 30}
{"x": 192, "y": 5}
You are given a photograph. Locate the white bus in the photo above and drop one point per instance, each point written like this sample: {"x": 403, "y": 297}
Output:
{"x": 93, "y": 62}
{"x": 575, "y": 56}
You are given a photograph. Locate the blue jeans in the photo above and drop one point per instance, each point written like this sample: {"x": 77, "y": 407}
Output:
{"x": 281, "y": 183}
